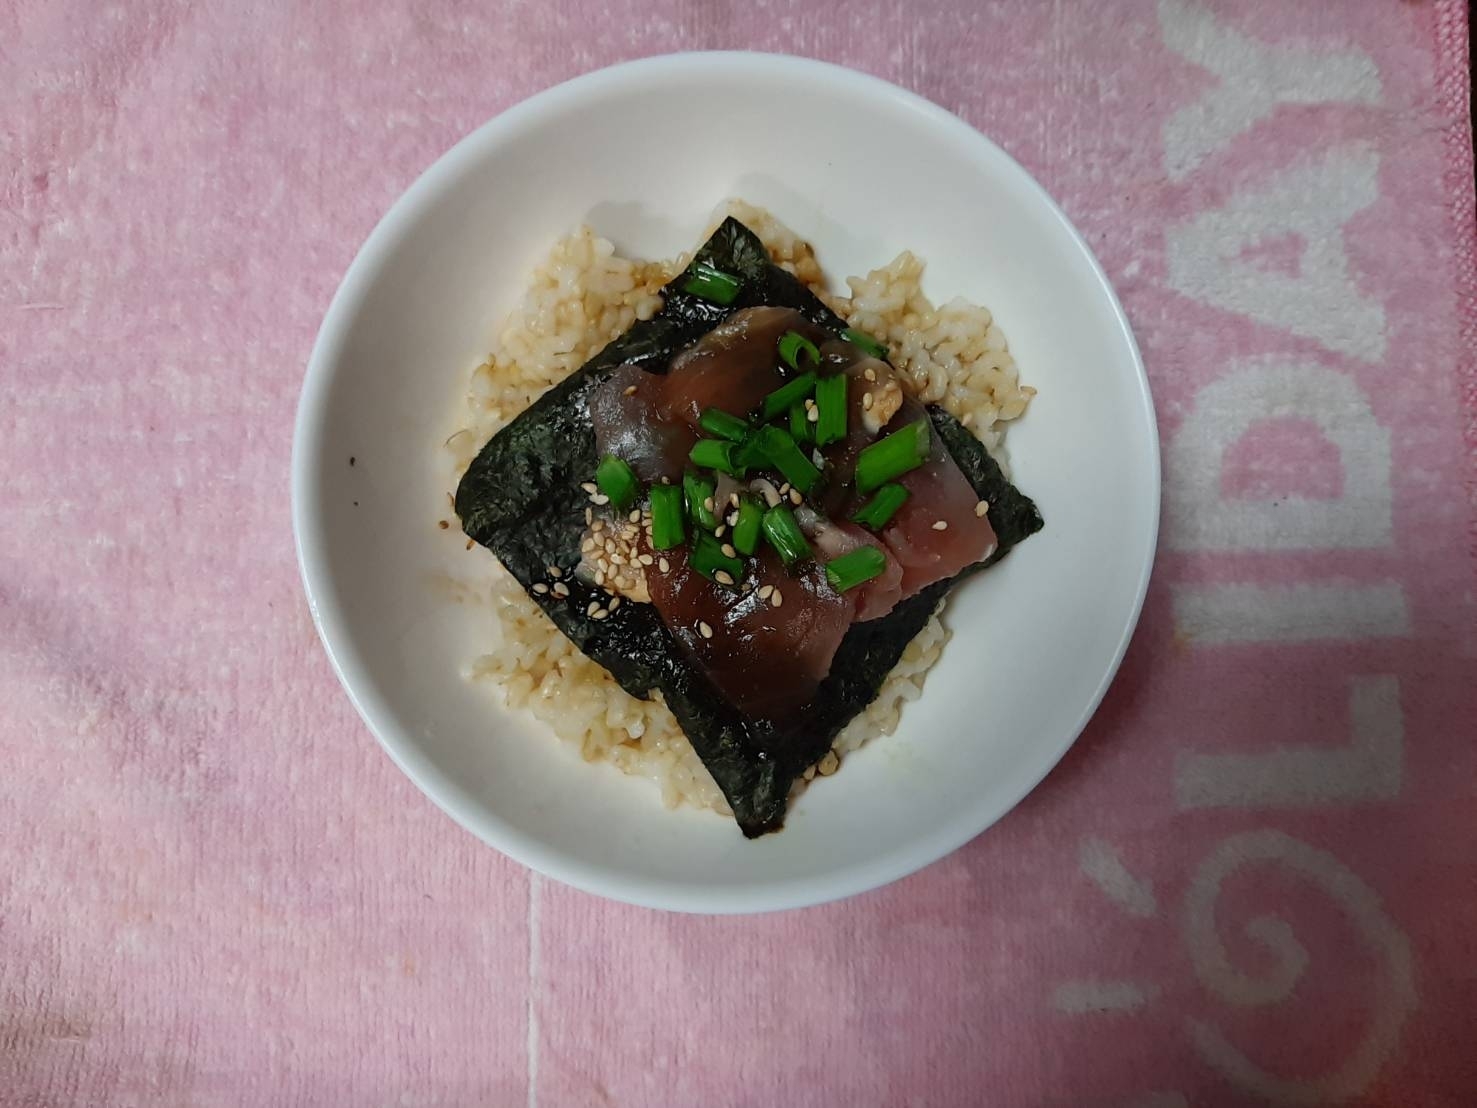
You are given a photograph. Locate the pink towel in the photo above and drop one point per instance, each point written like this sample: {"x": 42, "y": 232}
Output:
{"x": 1254, "y": 879}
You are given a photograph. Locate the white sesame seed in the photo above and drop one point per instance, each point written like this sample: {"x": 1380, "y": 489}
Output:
{"x": 776, "y": 599}
{"x": 867, "y": 401}
{"x": 555, "y": 572}
{"x": 785, "y": 489}
{"x": 541, "y": 588}
{"x": 561, "y": 589}
{"x": 630, "y": 390}
{"x": 600, "y": 498}
{"x": 615, "y": 601}
{"x": 764, "y": 592}
{"x": 597, "y": 526}
{"x": 589, "y": 487}
{"x": 704, "y": 630}
{"x": 664, "y": 565}
{"x": 733, "y": 500}
{"x": 731, "y": 519}
{"x": 635, "y": 516}
{"x": 809, "y": 403}
{"x": 723, "y": 577}
{"x": 796, "y": 498}
{"x": 646, "y": 559}
{"x": 728, "y": 549}
{"x": 599, "y": 613}
{"x": 941, "y": 525}
{"x": 718, "y": 531}
{"x": 593, "y": 608}
{"x": 812, "y": 415}
{"x": 600, "y": 577}
{"x": 587, "y": 546}
{"x": 666, "y": 480}
{"x": 982, "y": 507}
{"x": 869, "y": 373}
{"x": 708, "y": 504}
{"x": 617, "y": 560}
{"x": 589, "y": 517}
{"x": 968, "y": 416}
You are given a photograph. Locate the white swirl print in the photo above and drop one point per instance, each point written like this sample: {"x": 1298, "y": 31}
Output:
{"x": 1395, "y": 1000}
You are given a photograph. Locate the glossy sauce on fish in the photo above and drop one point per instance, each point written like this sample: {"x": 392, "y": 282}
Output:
{"x": 767, "y": 641}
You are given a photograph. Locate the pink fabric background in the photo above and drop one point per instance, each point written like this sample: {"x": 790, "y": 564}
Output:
{"x": 215, "y": 890}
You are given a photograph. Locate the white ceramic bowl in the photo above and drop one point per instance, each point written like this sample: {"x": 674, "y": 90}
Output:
{"x": 643, "y": 152}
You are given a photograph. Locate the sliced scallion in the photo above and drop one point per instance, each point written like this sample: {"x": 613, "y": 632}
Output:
{"x": 618, "y": 481}
{"x": 707, "y": 558}
{"x": 668, "y": 525}
{"x": 784, "y": 534}
{"x": 716, "y": 421}
{"x": 865, "y": 342}
{"x": 713, "y": 454}
{"x": 798, "y": 352}
{"x": 900, "y": 452}
{"x": 884, "y": 504}
{"x": 790, "y": 393}
{"x": 855, "y": 568}
{"x": 779, "y": 450}
{"x": 830, "y": 402}
{"x": 800, "y": 427}
{"x": 750, "y": 452}
{"x": 746, "y": 530}
{"x": 711, "y": 283}
{"x": 699, "y": 493}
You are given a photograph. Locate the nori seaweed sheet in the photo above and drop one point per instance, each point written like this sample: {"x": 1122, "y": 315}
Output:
{"x": 521, "y": 498}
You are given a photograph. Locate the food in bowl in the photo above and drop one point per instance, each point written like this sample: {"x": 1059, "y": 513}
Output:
{"x": 739, "y": 501}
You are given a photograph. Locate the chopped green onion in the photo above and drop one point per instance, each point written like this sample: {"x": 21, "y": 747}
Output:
{"x": 707, "y": 558}
{"x": 668, "y": 528}
{"x": 882, "y": 507}
{"x": 699, "y": 494}
{"x": 779, "y": 450}
{"x": 855, "y": 568}
{"x": 746, "y": 530}
{"x": 750, "y": 452}
{"x": 618, "y": 481}
{"x": 800, "y": 427}
{"x": 713, "y": 454}
{"x": 866, "y": 342}
{"x": 784, "y": 534}
{"x": 787, "y": 395}
{"x": 830, "y": 402}
{"x": 715, "y": 421}
{"x": 796, "y": 348}
{"x": 711, "y": 283}
{"x": 900, "y": 452}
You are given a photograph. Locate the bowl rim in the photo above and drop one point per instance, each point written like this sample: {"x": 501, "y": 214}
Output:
{"x": 319, "y": 587}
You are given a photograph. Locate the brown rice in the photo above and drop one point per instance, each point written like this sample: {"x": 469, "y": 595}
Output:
{"x": 582, "y": 296}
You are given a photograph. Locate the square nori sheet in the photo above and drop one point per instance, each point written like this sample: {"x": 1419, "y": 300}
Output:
{"x": 521, "y": 498}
